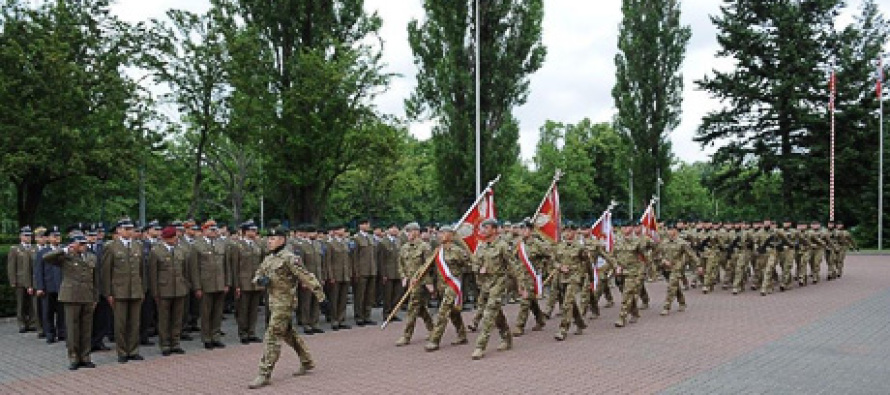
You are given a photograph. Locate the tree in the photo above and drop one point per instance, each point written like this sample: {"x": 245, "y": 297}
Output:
{"x": 775, "y": 97}
{"x": 444, "y": 44}
{"x": 648, "y": 86}
{"x": 68, "y": 110}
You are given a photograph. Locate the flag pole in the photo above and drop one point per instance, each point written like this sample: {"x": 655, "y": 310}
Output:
{"x": 881, "y": 162}
{"x": 556, "y": 177}
{"x": 831, "y": 181}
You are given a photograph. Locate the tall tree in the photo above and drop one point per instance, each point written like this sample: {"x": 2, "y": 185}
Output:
{"x": 775, "y": 97}
{"x": 68, "y": 109}
{"x": 649, "y": 86}
{"x": 444, "y": 45}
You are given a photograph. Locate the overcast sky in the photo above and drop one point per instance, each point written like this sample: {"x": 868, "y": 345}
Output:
{"x": 576, "y": 80}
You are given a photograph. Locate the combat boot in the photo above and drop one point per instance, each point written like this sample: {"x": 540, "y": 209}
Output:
{"x": 560, "y": 336}
{"x": 621, "y": 322}
{"x": 538, "y": 327}
{"x": 431, "y": 346}
{"x": 304, "y": 368}
{"x": 580, "y": 330}
{"x": 665, "y": 311}
{"x": 259, "y": 382}
{"x": 460, "y": 341}
{"x": 735, "y": 291}
{"x": 682, "y": 308}
{"x": 403, "y": 341}
{"x": 477, "y": 354}
{"x": 506, "y": 344}
{"x": 473, "y": 327}
{"x": 633, "y": 319}
{"x": 610, "y": 304}
{"x": 644, "y": 306}
{"x": 518, "y": 332}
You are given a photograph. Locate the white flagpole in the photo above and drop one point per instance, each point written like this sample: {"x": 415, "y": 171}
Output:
{"x": 478, "y": 108}
{"x": 556, "y": 177}
{"x": 881, "y": 162}
{"x": 831, "y": 181}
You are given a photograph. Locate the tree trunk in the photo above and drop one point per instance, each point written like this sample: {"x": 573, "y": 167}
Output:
{"x": 28, "y": 197}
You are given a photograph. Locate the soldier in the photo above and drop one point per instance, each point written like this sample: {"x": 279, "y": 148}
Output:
{"x": 572, "y": 259}
{"x": 454, "y": 259}
{"x": 630, "y": 253}
{"x": 846, "y": 243}
{"x": 169, "y": 284}
{"x": 47, "y": 280}
{"x": 19, "y": 269}
{"x": 102, "y": 319}
{"x": 710, "y": 244}
{"x": 122, "y": 279}
{"x": 758, "y": 257}
{"x": 802, "y": 255}
{"x": 315, "y": 261}
{"x": 279, "y": 273}
{"x": 413, "y": 257}
{"x": 675, "y": 253}
{"x": 773, "y": 245}
{"x": 339, "y": 275}
{"x": 745, "y": 249}
{"x": 244, "y": 259}
{"x": 210, "y": 280}
{"x": 832, "y": 250}
{"x": 818, "y": 244}
{"x": 497, "y": 264}
{"x": 388, "y": 266}
{"x": 787, "y": 254}
{"x": 193, "y": 306}
{"x": 365, "y": 273}
{"x": 539, "y": 256}
{"x": 147, "y": 323}
{"x": 604, "y": 266}
{"x": 79, "y": 293}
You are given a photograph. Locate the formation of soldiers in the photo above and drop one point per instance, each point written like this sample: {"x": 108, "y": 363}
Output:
{"x": 164, "y": 281}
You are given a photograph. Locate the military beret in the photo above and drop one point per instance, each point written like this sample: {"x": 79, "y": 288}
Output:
{"x": 25, "y": 231}
{"x": 168, "y": 232}
{"x": 489, "y": 222}
{"x": 209, "y": 224}
{"x": 412, "y": 226}
{"x": 446, "y": 228}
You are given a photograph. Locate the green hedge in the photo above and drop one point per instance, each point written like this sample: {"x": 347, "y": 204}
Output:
{"x": 7, "y": 296}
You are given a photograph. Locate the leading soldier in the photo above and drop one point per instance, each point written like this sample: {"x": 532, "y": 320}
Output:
{"x": 412, "y": 257}
{"x": 279, "y": 273}
{"x": 455, "y": 259}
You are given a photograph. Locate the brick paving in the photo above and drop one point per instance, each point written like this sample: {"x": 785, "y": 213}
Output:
{"x": 832, "y": 337}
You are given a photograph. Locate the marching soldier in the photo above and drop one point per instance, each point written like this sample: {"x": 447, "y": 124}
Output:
{"x": 211, "y": 283}
{"x": 412, "y": 257}
{"x": 496, "y": 266}
{"x": 539, "y": 255}
{"x": 19, "y": 269}
{"x": 454, "y": 260}
{"x": 818, "y": 244}
{"x": 244, "y": 258}
{"x": 846, "y": 242}
{"x": 675, "y": 252}
{"x": 571, "y": 259}
{"x": 787, "y": 254}
{"x": 167, "y": 264}
{"x": 78, "y": 293}
{"x": 743, "y": 259}
{"x": 279, "y": 273}
{"x": 630, "y": 252}
{"x": 122, "y": 279}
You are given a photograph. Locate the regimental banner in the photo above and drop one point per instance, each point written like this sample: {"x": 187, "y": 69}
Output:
{"x": 470, "y": 228}
{"x": 450, "y": 279}
{"x": 530, "y": 268}
{"x": 547, "y": 221}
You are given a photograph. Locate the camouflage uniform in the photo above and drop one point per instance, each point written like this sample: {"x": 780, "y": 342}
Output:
{"x": 540, "y": 255}
{"x": 629, "y": 255}
{"x": 743, "y": 260}
{"x": 412, "y": 257}
{"x": 284, "y": 271}
{"x": 497, "y": 264}
{"x": 817, "y": 253}
{"x": 458, "y": 260}
{"x": 846, "y": 243}
{"x": 572, "y": 259}
{"x": 774, "y": 245}
{"x": 675, "y": 253}
{"x": 711, "y": 244}
{"x": 787, "y": 257}
{"x": 604, "y": 265}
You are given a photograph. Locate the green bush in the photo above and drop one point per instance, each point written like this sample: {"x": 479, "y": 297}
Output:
{"x": 7, "y": 295}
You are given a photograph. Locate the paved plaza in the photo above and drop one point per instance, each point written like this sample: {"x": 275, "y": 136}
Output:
{"x": 831, "y": 338}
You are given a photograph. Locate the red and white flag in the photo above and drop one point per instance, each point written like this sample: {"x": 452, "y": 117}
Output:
{"x": 649, "y": 222}
{"x": 450, "y": 279}
{"x": 468, "y": 230}
{"x": 530, "y": 268}
{"x": 879, "y": 75}
{"x": 602, "y": 230}
{"x": 548, "y": 217}
{"x": 833, "y": 90}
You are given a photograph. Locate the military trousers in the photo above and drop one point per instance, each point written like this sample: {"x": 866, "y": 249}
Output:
{"x": 602, "y": 289}
{"x": 742, "y": 263}
{"x": 529, "y": 305}
{"x": 310, "y": 310}
{"x": 212, "y": 304}
{"x": 493, "y": 314}
{"x": 787, "y": 259}
{"x": 25, "y": 309}
{"x": 79, "y": 322}
{"x": 772, "y": 260}
{"x": 53, "y": 315}
{"x": 126, "y": 326}
{"x": 339, "y": 294}
{"x": 841, "y": 259}
{"x": 570, "y": 310}
{"x": 712, "y": 268}
{"x": 448, "y": 311}
{"x": 674, "y": 291}
{"x": 392, "y": 292}
{"x": 480, "y": 304}
{"x": 417, "y": 307}
{"x": 103, "y": 322}
{"x": 816, "y": 263}
{"x": 363, "y": 297}
{"x": 632, "y": 283}
{"x": 555, "y": 294}
{"x": 280, "y": 329}
{"x": 170, "y": 321}
{"x": 247, "y": 308}
{"x": 831, "y": 262}
{"x": 147, "y": 322}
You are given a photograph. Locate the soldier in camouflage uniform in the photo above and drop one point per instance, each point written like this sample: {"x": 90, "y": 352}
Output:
{"x": 540, "y": 255}
{"x": 801, "y": 256}
{"x": 280, "y": 273}
{"x": 497, "y": 264}
{"x": 773, "y": 245}
{"x": 412, "y": 257}
{"x": 832, "y": 250}
{"x": 456, "y": 259}
{"x": 711, "y": 244}
{"x": 787, "y": 254}
{"x": 846, "y": 243}
{"x": 572, "y": 259}
{"x": 630, "y": 253}
{"x": 743, "y": 258}
{"x": 817, "y": 250}
{"x": 675, "y": 252}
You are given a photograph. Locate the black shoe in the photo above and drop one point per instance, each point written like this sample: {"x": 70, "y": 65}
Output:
{"x": 218, "y": 344}
{"x": 177, "y": 350}
{"x": 135, "y": 357}
{"x": 360, "y": 323}
{"x": 245, "y": 341}
{"x": 23, "y": 330}
{"x": 41, "y": 335}
{"x": 186, "y": 337}
{"x": 50, "y": 340}
{"x": 122, "y": 359}
{"x": 369, "y": 322}
{"x": 317, "y": 330}
{"x": 335, "y": 328}
{"x": 254, "y": 339}
{"x": 208, "y": 346}
{"x": 73, "y": 366}
{"x": 396, "y": 318}
{"x": 343, "y": 326}
{"x": 221, "y": 333}
{"x": 146, "y": 342}
{"x": 308, "y": 331}
{"x": 166, "y": 353}
{"x": 88, "y": 365}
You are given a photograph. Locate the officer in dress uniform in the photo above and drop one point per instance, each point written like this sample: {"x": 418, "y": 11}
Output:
{"x": 48, "y": 279}
{"x": 19, "y": 268}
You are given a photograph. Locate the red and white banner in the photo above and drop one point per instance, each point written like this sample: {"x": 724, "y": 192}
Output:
{"x": 469, "y": 229}
{"x": 548, "y": 217}
{"x": 530, "y": 268}
{"x": 595, "y": 283}
{"x": 649, "y": 222}
{"x": 450, "y": 279}
{"x": 602, "y": 230}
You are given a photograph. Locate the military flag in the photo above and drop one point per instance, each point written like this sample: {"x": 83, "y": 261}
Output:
{"x": 450, "y": 279}
{"x": 649, "y": 222}
{"x": 547, "y": 218}
{"x": 530, "y": 268}
{"x": 469, "y": 226}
